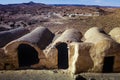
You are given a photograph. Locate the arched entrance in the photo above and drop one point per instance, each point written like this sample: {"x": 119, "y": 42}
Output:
{"x": 27, "y": 55}
{"x": 62, "y": 56}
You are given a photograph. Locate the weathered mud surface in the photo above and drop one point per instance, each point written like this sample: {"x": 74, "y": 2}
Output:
{"x": 54, "y": 75}
{"x": 35, "y": 75}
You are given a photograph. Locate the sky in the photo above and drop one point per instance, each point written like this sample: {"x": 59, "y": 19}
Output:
{"x": 85, "y": 2}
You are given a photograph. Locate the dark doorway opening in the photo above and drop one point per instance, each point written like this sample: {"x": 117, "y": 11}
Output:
{"x": 108, "y": 64}
{"x": 27, "y": 55}
{"x": 6, "y": 66}
{"x": 62, "y": 56}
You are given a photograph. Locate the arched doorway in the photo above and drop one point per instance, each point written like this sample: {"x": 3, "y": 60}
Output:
{"x": 62, "y": 56}
{"x": 108, "y": 64}
{"x": 27, "y": 55}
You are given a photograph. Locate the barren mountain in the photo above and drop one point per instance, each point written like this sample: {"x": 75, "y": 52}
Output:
{"x": 52, "y": 16}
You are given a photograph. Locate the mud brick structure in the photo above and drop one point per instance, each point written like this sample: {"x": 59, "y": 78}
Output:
{"x": 60, "y": 48}
{"x": 99, "y": 52}
{"x": 27, "y": 50}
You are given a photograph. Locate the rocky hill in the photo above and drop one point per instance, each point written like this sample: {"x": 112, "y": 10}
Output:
{"x": 37, "y": 14}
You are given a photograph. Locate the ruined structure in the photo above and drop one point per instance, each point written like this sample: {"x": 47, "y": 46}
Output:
{"x": 26, "y": 52}
{"x": 7, "y": 36}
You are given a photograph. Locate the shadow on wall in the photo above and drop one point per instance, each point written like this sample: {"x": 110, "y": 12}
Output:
{"x": 27, "y": 55}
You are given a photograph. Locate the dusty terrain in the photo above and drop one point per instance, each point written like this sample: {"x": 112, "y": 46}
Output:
{"x": 58, "y": 18}
{"x": 31, "y": 15}
{"x": 35, "y": 75}
{"x": 54, "y": 75}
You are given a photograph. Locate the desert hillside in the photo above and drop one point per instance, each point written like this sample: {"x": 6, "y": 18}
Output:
{"x": 46, "y": 31}
{"x": 58, "y": 17}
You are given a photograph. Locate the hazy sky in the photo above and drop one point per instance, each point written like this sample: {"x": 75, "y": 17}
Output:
{"x": 87, "y": 2}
